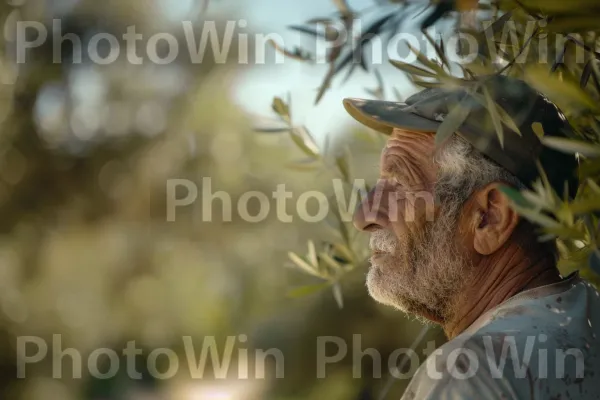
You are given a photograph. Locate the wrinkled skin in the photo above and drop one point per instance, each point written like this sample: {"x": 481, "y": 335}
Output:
{"x": 441, "y": 265}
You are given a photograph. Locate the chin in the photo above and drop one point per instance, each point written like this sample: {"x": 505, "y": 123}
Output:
{"x": 380, "y": 290}
{"x": 378, "y": 285}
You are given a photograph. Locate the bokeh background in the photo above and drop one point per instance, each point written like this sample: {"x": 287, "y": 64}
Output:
{"x": 86, "y": 250}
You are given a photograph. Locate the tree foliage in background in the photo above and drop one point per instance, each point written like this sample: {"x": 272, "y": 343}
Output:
{"x": 553, "y": 45}
{"x": 88, "y": 251}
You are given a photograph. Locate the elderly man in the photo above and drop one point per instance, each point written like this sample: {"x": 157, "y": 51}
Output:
{"x": 469, "y": 262}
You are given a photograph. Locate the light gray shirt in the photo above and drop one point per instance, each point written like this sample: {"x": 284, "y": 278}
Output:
{"x": 540, "y": 344}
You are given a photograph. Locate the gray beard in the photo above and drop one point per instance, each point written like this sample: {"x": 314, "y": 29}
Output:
{"x": 424, "y": 272}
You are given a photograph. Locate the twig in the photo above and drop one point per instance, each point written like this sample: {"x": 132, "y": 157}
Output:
{"x": 585, "y": 46}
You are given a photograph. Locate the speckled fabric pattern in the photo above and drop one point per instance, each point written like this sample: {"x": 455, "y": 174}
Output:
{"x": 543, "y": 343}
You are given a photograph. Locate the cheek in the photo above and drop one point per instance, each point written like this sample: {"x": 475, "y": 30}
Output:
{"x": 420, "y": 207}
{"x": 413, "y": 212}
{"x": 400, "y": 210}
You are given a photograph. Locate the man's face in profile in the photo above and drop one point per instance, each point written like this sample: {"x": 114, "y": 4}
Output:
{"x": 416, "y": 264}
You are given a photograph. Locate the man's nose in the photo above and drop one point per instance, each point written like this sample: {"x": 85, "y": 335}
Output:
{"x": 370, "y": 215}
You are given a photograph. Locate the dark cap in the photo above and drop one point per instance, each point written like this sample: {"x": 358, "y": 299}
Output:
{"x": 530, "y": 111}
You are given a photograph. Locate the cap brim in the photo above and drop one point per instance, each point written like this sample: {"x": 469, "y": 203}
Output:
{"x": 384, "y": 116}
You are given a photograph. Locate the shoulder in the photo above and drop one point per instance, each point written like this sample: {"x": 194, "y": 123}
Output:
{"x": 471, "y": 367}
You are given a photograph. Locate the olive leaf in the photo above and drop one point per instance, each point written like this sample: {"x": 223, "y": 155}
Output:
{"x": 281, "y": 109}
{"x": 505, "y": 118}
{"x": 304, "y": 265}
{"x": 337, "y": 294}
{"x": 458, "y": 114}
{"x": 426, "y": 61}
{"x": 493, "y": 111}
{"x": 572, "y": 146}
{"x": 568, "y": 95}
{"x": 515, "y": 196}
{"x": 412, "y": 69}
{"x": 585, "y": 205}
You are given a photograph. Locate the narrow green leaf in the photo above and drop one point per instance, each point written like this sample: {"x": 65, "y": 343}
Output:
{"x": 312, "y": 253}
{"x": 281, "y": 109}
{"x": 538, "y": 129}
{"x": 452, "y": 122}
{"x": 565, "y": 232}
{"x": 335, "y": 266}
{"x": 538, "y": 201}
{"x": 504, "y": 116}
{"x": 303, "y": 265}
{"x": 307, "y": 138}
{"x": 537, "y": 217}
{"x": 515, "y": 196}
{"x": 567, "y": 95}
{"x": 299, "y": 141}
{"x": 572, "y": 146}
{"x": 426, "y": 61}
{"x": 273, "y": 130}
{"x": 307, "y": 30}
{"x": 337, "y": 294}
{"x": 585, "y": 75}
{"x": 583, "y": 206}
{"x": 412, "y": 69}
{"x": 326, "y": 84}
{"x": 593, "y": 185}
{"x": 342, "y": 6}
{"x": 439, "y": 49}
{"x": 344, "y": 251}
{"x": 493, "y": 111}
{"x": 426, "y": 84}
{"x": 498, "y": 24}
{"x": 550, "y": 193}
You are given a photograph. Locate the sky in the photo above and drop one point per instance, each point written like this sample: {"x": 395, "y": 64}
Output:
{"x": 256, "y": 87}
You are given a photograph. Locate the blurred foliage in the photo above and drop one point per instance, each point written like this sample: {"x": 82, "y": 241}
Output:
{"x": 86, "y": 250}
{"x": 85, "y": 247}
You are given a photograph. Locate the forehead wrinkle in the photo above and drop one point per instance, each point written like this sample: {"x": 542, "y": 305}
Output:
{"x": 392, "y": 165}
{"x": 404, "y": 169}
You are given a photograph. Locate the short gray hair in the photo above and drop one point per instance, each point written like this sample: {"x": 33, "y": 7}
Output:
{"x": 462, "y": 170}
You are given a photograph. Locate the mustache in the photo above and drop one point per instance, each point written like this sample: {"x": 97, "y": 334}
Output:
{"x": 383, "y": 241}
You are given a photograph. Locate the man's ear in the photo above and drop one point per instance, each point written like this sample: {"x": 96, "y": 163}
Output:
{"x": 495, "y": 219}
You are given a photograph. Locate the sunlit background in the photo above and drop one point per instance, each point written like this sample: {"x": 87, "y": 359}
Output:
{"x": 87, "y": 252}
